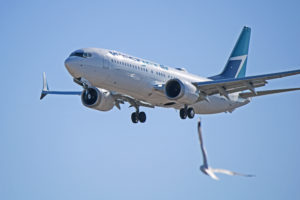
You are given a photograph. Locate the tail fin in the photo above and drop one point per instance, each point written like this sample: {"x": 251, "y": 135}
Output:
{"x": 237, "y": 62}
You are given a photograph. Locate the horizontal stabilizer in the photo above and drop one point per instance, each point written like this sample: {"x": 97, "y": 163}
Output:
{"x": 266, "y": 92}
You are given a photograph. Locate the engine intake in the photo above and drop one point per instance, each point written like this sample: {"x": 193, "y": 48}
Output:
{"x": 90, "y": 97}
{"x": 174, "y": 88}
{"x": 181, "y": 91}
{"x": 98, "y": 99}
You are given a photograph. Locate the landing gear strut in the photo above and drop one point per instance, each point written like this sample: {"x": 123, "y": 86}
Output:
{"x": 187, "y": 112}
{"x": 138, "y": 116}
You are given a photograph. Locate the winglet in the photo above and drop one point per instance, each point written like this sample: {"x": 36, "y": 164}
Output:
{"x": 45, "y": 86}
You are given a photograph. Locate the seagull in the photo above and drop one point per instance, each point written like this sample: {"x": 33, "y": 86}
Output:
{"x": 211, "y": 171}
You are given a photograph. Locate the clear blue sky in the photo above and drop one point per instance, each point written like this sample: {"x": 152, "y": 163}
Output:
{"x": 58, "y": 149}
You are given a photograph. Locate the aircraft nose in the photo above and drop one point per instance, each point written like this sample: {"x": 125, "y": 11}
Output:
{"x": 67, "y": 64}
{"x": 71, "y": 67}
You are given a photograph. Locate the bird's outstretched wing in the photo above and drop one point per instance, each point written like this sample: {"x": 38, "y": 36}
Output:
{"x": 211, "y": 171}
{"x": 202, "y": 145}
{"x": 231, "y": 173}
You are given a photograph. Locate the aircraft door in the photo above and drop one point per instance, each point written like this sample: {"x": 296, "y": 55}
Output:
{"x": 106, "y": 63}
{"x": 106, "y": 70}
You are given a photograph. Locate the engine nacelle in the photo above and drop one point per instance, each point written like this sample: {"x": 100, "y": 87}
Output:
{"x": 181, "y": 91}
{"x": 98, "y": 99}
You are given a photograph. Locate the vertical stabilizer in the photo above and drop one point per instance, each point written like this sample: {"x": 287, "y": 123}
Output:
{"x": 237, "y": 62}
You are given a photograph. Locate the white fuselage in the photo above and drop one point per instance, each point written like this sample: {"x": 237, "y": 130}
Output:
{"x": 135, "y": 77}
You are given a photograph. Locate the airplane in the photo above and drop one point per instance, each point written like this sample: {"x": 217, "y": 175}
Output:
{"x": 110, "y": 78}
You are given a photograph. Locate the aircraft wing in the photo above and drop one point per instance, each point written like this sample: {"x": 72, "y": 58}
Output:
{"x": 46, "y": 90}
{"x": 133, "y": 102}
{"x": 266, "y": 92}
{"x": 119, "y": 98}
{"x": 227, "y": 86}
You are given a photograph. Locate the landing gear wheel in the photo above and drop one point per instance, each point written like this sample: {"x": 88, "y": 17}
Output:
{"x": 135, "y": 117}
{"x": 183, "y": 113}
{"x": 190, "y": 113}
{"x": 142, "y": 117}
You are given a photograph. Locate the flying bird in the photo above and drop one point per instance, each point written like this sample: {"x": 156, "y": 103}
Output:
{"x": 211, "y": 171}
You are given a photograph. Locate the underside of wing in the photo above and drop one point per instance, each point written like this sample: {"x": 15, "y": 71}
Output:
{"x": 46, "y": 90}
{"x": 231, "y": 173}
{"x": 266, "y": 92}
{"x": 227, "y": 86}
{"x": 132, "y": 101}
{"x": 117, "y": 97}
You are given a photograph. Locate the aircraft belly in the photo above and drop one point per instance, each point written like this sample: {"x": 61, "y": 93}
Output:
{"x": 142, "y": 89}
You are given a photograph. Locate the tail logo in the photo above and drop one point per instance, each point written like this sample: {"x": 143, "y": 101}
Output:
{"x": 235, "y": 66}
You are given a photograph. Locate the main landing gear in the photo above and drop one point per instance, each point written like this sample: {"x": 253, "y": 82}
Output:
{"x": 187, "y": 112}
{"x": 138, "y": 116}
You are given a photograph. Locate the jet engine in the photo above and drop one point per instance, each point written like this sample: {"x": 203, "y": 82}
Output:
{"x": 181, "y": 91}
{"x": 98, "y": 99}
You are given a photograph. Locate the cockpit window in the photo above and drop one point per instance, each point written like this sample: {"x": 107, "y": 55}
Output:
{"x": 86, "y": 55}
{"x": 81, "y": 54}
